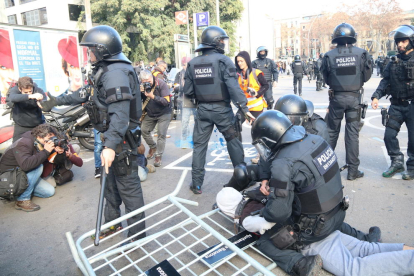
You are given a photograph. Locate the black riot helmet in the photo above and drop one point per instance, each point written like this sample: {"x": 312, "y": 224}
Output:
{"x": 297, "y": 58}
{"x": 344, "y": 34}
{"x": 214, "y": 37}
{"x": 401, "y": 33}
{"x": 271, "y": 130}
{"x": 294, "y": 107}
{"x": 105, "y": 43}
{"x": 310, "y": 107}
{"x": 321, "y": 55}
{"x": 261, "y": 48}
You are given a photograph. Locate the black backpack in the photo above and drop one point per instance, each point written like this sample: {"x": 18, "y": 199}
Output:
{"x": 13, "y": 183}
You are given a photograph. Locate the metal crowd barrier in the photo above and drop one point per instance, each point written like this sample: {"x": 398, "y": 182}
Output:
{"x": 178, "y": 242}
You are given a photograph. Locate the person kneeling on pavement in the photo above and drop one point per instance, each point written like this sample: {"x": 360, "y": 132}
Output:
{"x": 57, "y": 168}
{"x": 28, "y": 153}
{"x": 298, "y": 184}
{"x": 156, "y": 111}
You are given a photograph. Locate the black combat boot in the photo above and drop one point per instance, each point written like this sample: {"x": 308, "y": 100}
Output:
{"x": 355, "y": 175}
{"x": 270, "y": 105}
{"x": 374, "y": 234}
{"x": 408, "y": 175}
{"x": 397, "y": 165}
{"x": 295, "y": 90}
{"x": 308, "y": 266}
{"x": 195, "y": 189}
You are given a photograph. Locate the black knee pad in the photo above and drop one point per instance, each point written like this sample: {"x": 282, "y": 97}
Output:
{"x": 230, "y": 134}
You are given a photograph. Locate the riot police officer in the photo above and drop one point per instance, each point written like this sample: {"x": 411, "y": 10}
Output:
{"x": 399, "y": 78}
{"x": 345, "y": 70}
{"x": 212, "y": 80}
{"x": 269, "y": 69}
{"x": 310, "y": 68}
{"x": 298, "y": 69}
{"x": 317, "y": 67}
{"x": 114, "y": 109}
{"x": 305, "y": 173}
{"x": 378, "y": 62}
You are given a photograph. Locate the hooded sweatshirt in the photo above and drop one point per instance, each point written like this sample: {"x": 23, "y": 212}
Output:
{"x": 264, "y": 85}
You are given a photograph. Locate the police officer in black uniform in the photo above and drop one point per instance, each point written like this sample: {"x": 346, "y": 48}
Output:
{"x": 304, "y": 189}
{"x": 317, "y": 67}
{"x": 212, "y": 80}
{"x": 298, "y": 69}
{"x": 310, "y": 68}
{"x": 114, "y": 108}
{"x": 399, "y": 78}
{"x": 269, "y": 69}
{"x": 296, "y": 109}
{"x": 345, "y": 70}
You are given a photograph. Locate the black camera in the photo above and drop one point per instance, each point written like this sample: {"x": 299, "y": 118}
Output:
{"x": 62, "y": 143}
{"x": 147, "y": 87}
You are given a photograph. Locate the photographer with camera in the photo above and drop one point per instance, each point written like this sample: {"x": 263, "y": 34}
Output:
{"x": 56, "y": 170}
{"x": 28, "y": 153}
{"x": 25, "y": 99}
{"x": 157, "y": 111}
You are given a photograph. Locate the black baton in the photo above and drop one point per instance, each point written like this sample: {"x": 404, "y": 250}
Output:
{"x": 100, "y": 207}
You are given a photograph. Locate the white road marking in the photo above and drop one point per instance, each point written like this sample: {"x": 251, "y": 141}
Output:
{"x": 88, "y": 159}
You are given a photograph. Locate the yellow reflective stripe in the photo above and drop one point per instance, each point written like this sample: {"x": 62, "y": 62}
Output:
{"x": 258, "y": 103}
{"x": 167, "y": 98}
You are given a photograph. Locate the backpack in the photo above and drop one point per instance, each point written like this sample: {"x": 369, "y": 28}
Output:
{"x": 13, "y": 183}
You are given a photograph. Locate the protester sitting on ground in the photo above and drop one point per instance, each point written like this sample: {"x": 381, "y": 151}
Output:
{"x": 25, "y": 99}
{"x": 341, "y": 253}
{"x": 56, "y": 169}
{"x": 29, "y": 153}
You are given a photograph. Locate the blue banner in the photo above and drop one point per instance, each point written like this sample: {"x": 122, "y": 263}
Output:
{"x": 29, "y": 56}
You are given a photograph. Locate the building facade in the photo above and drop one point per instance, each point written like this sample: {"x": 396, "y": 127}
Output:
{"x": 57, "y": 14}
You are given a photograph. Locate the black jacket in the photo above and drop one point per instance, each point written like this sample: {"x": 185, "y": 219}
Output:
{"x": 23, "y": 154}
{"x": 160, "y": 105}
{"x": 26, "y": 113}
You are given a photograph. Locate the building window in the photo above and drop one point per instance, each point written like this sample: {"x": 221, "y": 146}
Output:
{"x": 35, "y": 17}
{"x": 12, "y": 19}
{"x": 26, "y": 1}
{"x": 9, "y": 3}
{"x": 75, "y": 11}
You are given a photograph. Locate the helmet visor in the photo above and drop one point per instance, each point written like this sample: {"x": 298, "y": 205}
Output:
{"x": 226, "y": 44}
{"x": 262, "y": 148}
{"x": 296, "y": 120}
{"x": 94, "y": 55}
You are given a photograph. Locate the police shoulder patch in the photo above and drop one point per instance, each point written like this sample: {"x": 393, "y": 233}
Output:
{"x": 324, "y": 158}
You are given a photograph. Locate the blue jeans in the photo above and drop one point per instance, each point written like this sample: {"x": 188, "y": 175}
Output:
{"x": 37, "y": 186}
{"x": 345, "y": 255}
{"x": 98, "y": 148}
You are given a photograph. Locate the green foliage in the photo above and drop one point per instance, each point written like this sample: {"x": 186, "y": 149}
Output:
{"x": 147, "y": 27}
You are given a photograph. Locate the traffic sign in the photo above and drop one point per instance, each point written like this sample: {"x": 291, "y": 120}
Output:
{"x": 181, "y": 17}
{"x": 202, "y": 20}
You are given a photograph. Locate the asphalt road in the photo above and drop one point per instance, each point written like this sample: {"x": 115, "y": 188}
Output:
{"x": 35, "y": 243}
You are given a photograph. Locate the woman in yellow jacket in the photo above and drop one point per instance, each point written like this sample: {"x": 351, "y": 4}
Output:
{"x": 252, "y": 82}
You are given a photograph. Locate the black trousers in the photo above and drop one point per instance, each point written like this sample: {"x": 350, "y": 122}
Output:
{"x": 345, "y": 104}
{"x": 126, "y": 189}
{"x": 268, "y": 95}
{"x": 297, "y": 79}
{"x": 399, "y": 114}
{"x": 208, "y": 115}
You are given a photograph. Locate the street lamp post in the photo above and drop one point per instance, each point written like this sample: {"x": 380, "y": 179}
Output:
{"x": 310, "y": 27}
